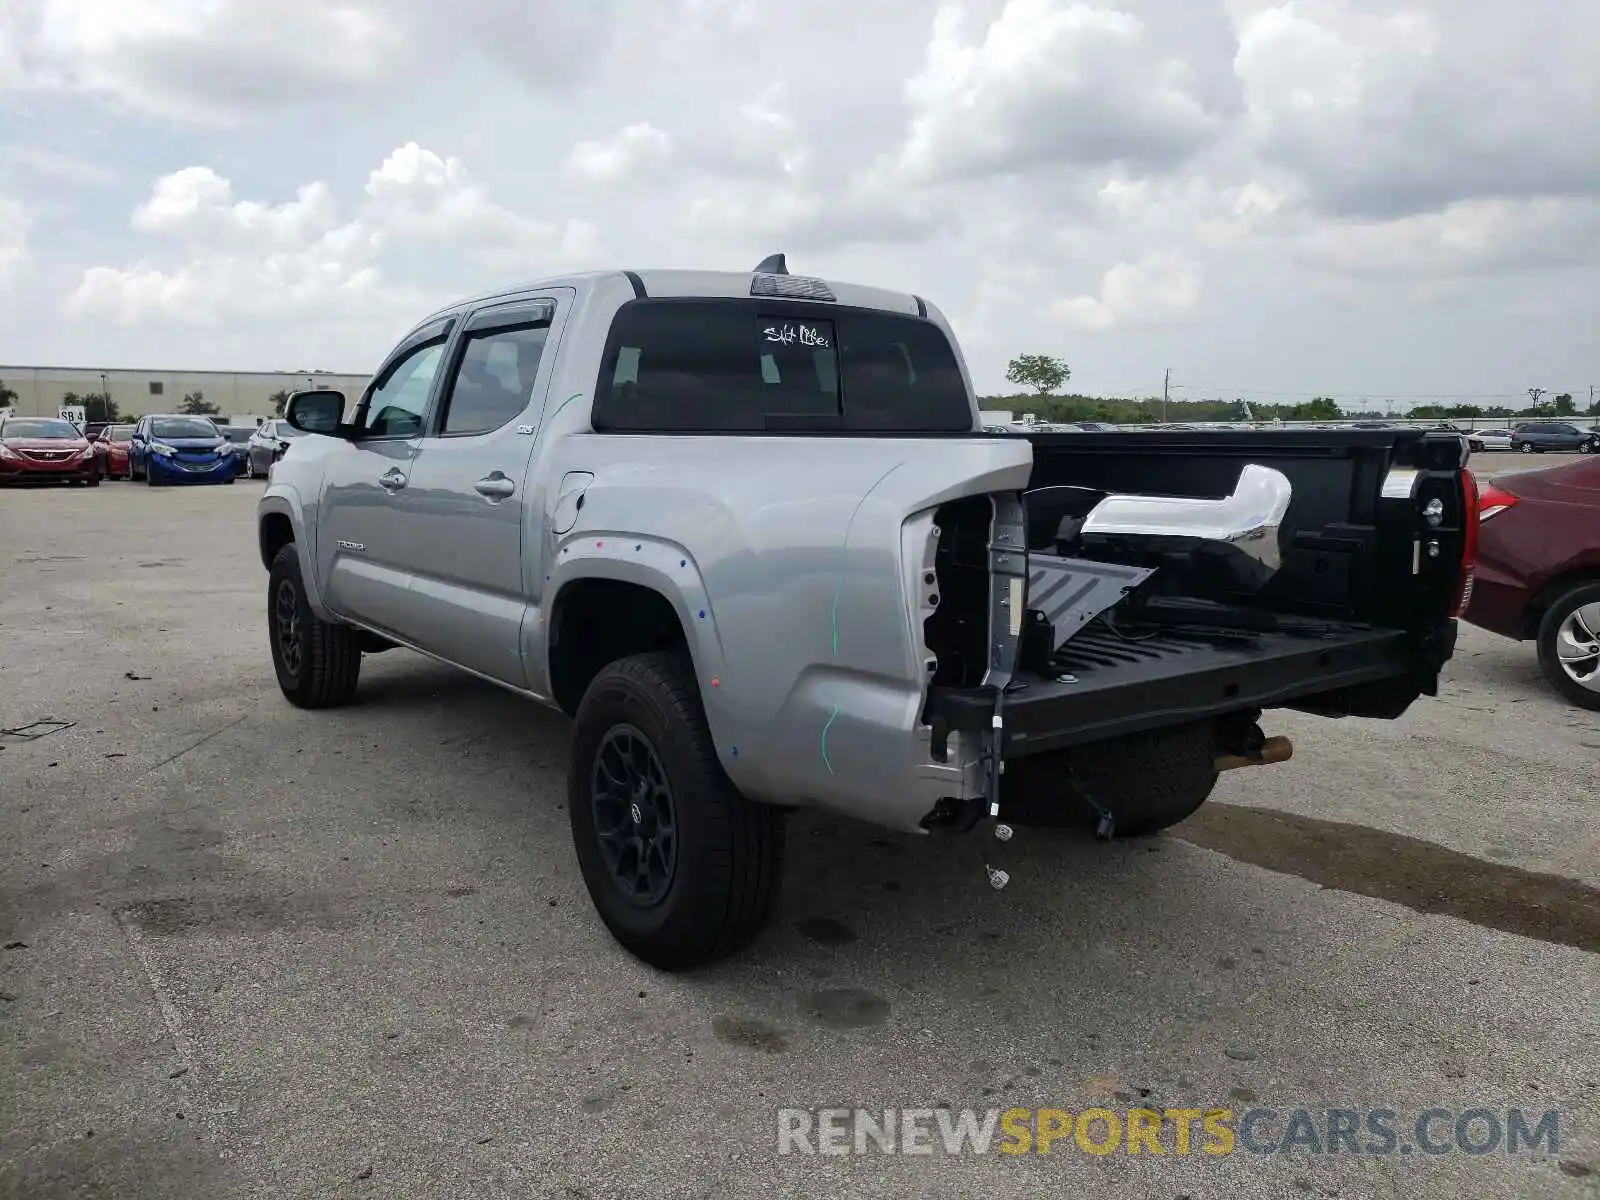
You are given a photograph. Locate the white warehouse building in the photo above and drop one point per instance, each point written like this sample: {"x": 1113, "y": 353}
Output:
{"x": 241, "y": 397}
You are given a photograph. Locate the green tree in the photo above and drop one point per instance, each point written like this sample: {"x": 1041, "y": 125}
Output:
{"x": 1564, "y": 405}
{"x": 8, "y": 397}
{"x": 1040, "y": 372}
{"x": 97, "y": 406}
{"x": 196, "y": 405}
{"x": 1320, "y": 409}
{"x": 278, "y": 400}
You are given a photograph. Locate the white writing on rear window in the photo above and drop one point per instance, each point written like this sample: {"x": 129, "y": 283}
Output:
{"x": 789, "y": 335}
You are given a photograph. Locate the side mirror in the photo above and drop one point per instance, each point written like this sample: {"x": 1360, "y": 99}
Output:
{"x": 315, "y": 412}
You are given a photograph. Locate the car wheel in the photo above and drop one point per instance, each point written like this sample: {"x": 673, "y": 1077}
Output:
{"x": 681, "y": 867}
{"x": 318, "y": 663}
{"x": 1526, "y": 447}
{"x": 1144, "y": 781}
{"x": 1589, "y": 447}
{"x": 1569, "y": 645}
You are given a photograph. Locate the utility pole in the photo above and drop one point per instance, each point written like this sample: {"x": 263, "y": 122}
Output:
{"x": 1534, "y": 394}
{"x": 1166, "y": 385}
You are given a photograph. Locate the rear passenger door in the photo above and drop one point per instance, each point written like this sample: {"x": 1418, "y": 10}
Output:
{"x": 465, "y": 506}
{"x": 363, "y": 545}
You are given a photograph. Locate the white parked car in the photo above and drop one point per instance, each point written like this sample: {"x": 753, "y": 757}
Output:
{"x": 1489, "y": 439}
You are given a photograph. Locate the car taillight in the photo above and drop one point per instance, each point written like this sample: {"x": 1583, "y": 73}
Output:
{"x": 1470, "y": 500}
{"x": 1492, "y": 501}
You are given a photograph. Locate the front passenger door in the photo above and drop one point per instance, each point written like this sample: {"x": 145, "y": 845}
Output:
{"x": 466, "y": 503}
{"x": 362, "y": 536}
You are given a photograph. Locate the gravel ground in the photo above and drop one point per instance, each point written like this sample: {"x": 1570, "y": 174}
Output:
{"x": 257, "y": 952}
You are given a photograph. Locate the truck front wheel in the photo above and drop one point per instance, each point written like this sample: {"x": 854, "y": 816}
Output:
{"x": 681, "y": 867}
{"x": 1145, "y": 781}
{"x": 318, "y": 663}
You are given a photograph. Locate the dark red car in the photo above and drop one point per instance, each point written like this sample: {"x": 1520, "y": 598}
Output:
{"x": 112, "y": 447}
{"x": 45, "y": 450}
{"x": 1538, "y": 572}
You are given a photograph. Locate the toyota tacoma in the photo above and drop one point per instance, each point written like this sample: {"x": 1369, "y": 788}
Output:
{"x": 746, "y": 529}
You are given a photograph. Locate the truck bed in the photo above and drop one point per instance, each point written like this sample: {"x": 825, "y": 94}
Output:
{"x": 1356, "y": 620}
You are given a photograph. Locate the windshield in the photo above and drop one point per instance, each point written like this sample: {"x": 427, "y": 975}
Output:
{"x": 183, "y": 427}
{"x": 40, "y": 427}
{"x": 285, "y": 431}
{"x": 120, "y": 433}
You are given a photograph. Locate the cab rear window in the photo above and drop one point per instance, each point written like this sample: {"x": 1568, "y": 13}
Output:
{"x": 756, "y": 366}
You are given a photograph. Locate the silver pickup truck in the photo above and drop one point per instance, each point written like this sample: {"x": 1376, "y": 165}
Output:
{"x": 746, "y": 529}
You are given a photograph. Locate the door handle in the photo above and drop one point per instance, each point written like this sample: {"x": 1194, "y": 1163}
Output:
{"x": 392, "y": 480}
{"x": 495, "y": 486}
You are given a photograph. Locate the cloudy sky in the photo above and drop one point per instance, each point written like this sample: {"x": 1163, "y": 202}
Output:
{"x": 1385, "y": 198}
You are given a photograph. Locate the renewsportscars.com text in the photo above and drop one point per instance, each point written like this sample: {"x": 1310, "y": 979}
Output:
{"x": 1180, "y": 1131}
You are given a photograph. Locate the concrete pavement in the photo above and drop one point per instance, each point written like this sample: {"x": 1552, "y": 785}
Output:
{"x": 258, "y": 952}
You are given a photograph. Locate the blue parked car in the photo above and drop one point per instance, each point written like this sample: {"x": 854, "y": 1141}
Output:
{"x": 172, "y": 448}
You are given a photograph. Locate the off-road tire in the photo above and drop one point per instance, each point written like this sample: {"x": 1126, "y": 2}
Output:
{"x": 327, "y": 667}
{"x": 729, "y": 849}
{"x": 1146, "y": 781}
{"x": 1558, "y": 611}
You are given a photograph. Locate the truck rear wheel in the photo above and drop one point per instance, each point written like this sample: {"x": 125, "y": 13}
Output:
{"x": 318, "y": 663}
{"x": 682, "y": 869}
{"x": 1146, "y": 781}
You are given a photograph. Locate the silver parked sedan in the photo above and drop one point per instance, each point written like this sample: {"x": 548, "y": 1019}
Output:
{"x": 267, "y": 445}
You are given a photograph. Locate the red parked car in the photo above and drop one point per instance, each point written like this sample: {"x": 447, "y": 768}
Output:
{"x": 45, "y": 450}
{"x": 1538, "y": 573}
{"x": 112, "y": 447}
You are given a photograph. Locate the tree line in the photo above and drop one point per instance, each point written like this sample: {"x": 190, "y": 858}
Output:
{"x": 1044, "y": 376}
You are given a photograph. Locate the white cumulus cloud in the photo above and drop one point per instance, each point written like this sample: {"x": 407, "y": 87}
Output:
{"x": 1157, "y": 289}
{"x": 613, "y": 159}
{"x": 247, "y": 257}
{"x": 1048, "y": 84}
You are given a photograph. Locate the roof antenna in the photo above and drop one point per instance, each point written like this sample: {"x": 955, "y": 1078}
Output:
{"x": 774, "y": 264}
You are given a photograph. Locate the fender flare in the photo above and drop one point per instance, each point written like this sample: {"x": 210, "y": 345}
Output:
{"x": 285, "y": 502}
{"x": 663, "y": 566}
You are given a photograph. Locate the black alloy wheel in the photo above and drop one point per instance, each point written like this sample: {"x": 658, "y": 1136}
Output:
{"x": 286, "y": 624}
{"x": 635, "y": 820}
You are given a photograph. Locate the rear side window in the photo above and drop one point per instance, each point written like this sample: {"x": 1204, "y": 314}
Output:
{"x": 495, "y": 378}
{"x": 753, "y": 366}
